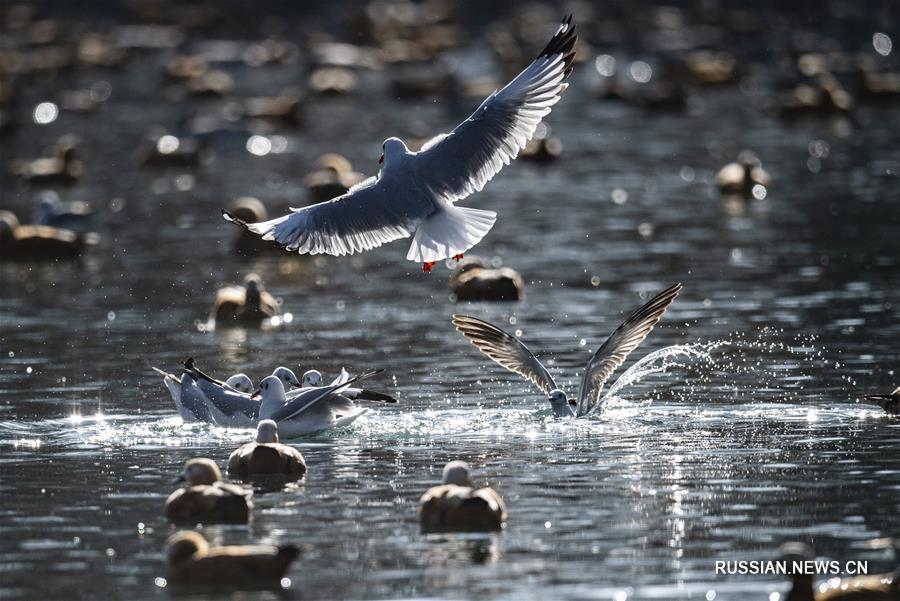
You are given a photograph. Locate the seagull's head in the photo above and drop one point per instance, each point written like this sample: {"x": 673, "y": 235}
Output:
{"x": 287, "y": 376}
{"x": 271, "y": 395}
{"x": 560, "y": 403}
{"x": 240, "y": 382}
{"x": 392, "y": 147}
{"x": 312, "y": 378}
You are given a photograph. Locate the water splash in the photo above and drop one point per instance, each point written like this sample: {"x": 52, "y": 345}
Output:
{"x": 657, "y": 362}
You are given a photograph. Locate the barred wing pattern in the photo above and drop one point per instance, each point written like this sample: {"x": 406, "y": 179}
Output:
{"x": 504, "y": 349}
{"x": 615, "y": 350}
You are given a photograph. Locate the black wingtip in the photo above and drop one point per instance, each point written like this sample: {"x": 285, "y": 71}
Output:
{"x": 563, "y": 42}
{"x": 230, "y": 217}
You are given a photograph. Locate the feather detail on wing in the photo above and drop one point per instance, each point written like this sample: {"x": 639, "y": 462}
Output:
{"x": 504, "y": 349}
{"x": 457, "y": 164}
{"x": 369, "y": 215}
{"x": 615, "y": 350}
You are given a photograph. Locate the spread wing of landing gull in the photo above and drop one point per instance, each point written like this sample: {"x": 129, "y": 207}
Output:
{"x": 619, "y": 345}
{"x": 511, "y": 353}
{"x": 414, "y": 193}
{"x": 505, "y": 349}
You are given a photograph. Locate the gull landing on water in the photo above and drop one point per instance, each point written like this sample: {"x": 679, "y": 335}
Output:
{"x": 508, "y": 351}
{"x": 415, "y": 192}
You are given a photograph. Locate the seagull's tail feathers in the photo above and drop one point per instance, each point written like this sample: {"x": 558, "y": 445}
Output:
{"x": 174, "y": 388}
{"x": 449, "y": 231}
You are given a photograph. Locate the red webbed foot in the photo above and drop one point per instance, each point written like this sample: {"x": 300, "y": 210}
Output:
{"x": 458, "y": 257}
{"x": 426, "y": 267}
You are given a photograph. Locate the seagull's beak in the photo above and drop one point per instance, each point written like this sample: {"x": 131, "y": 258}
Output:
{"x": 381, "y": 160}
{"x": 256, "y": 394}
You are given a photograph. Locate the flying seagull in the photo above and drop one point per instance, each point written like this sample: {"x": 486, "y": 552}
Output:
{"x": 414, "y": 193}
{"x": 508, "y": 351}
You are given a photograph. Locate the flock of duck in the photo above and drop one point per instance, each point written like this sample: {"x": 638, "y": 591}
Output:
{"x": 414, "y": 196}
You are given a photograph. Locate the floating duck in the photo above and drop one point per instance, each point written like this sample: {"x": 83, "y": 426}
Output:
{"x": 742, "y": 175}
{"x": 284, "y": 108}
{"x": 266, "y": 456}
{"x": 889, "y": 402}
{"x": 247, "y": 305}
{"x": 61, "y": 168}
{"x": 472, "y": 280}
{"x": 824, "y": 96}
{"x": 193, "y": 562}
{"x": 456, "y": 505}
{"x": 37, "y": 242}
{"x": 874, "y": 587}
{"x": 332, "y": 81}
{"x": 333, "y": 176}
{"x": 50, "y": 210}
{"x": 207, "y": 499}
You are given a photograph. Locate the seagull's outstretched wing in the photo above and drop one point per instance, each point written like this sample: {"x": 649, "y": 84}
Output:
{"x": 370, "y": 214}
{"x": 505, "y": 349}
{"x": 615, "y": 350}
{"x": 457, "y": 164}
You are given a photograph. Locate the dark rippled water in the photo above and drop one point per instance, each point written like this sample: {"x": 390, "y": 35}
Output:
{"x": 791, "y": 303}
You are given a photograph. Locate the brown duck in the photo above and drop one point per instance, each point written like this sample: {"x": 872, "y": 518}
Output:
{"x": 456, "y": 505}
{"x": 36, "y": 242}
{"x": 207, "y": 499}
{"x": 266, "y": 456}
{"x": 472, "y": 280}
{"x": 193, "y": 562}
{"x": 247, "y": 305}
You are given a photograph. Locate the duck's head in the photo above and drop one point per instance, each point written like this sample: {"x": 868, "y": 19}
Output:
{"x": 797, "y": 552}
{"x": 271, "y": 395}
{"x": 267, "y": 431}
{"x": 312, "y": 377}
{"x": 457, "y": 472}
{"x": 241, "y": 383}
{"x": 183, "y": 545}
{"x": 560, "y": 403}
{"x": 253, "y": 285}
{"x": 200, "y": 471}
{"x": 287, "y": 376}
{"x": 391, "y": 149}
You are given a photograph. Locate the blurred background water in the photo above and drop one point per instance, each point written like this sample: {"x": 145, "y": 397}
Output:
{"x": 790, "y": 294}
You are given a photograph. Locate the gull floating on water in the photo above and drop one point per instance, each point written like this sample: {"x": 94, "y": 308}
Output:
{"x": 314, "y": 410}
{"x": 207, "y": 499}
{"x": 230, "y": 407}
{"x": 313, "y": 378}
{"x": 193, "y": 562}
{"x": 266, "y": 456}
{"x": 191, "y": 402}
{"x": 415, "y": 192}
{"x": 511, "y": 353}
{"x": 457, "y": 505}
